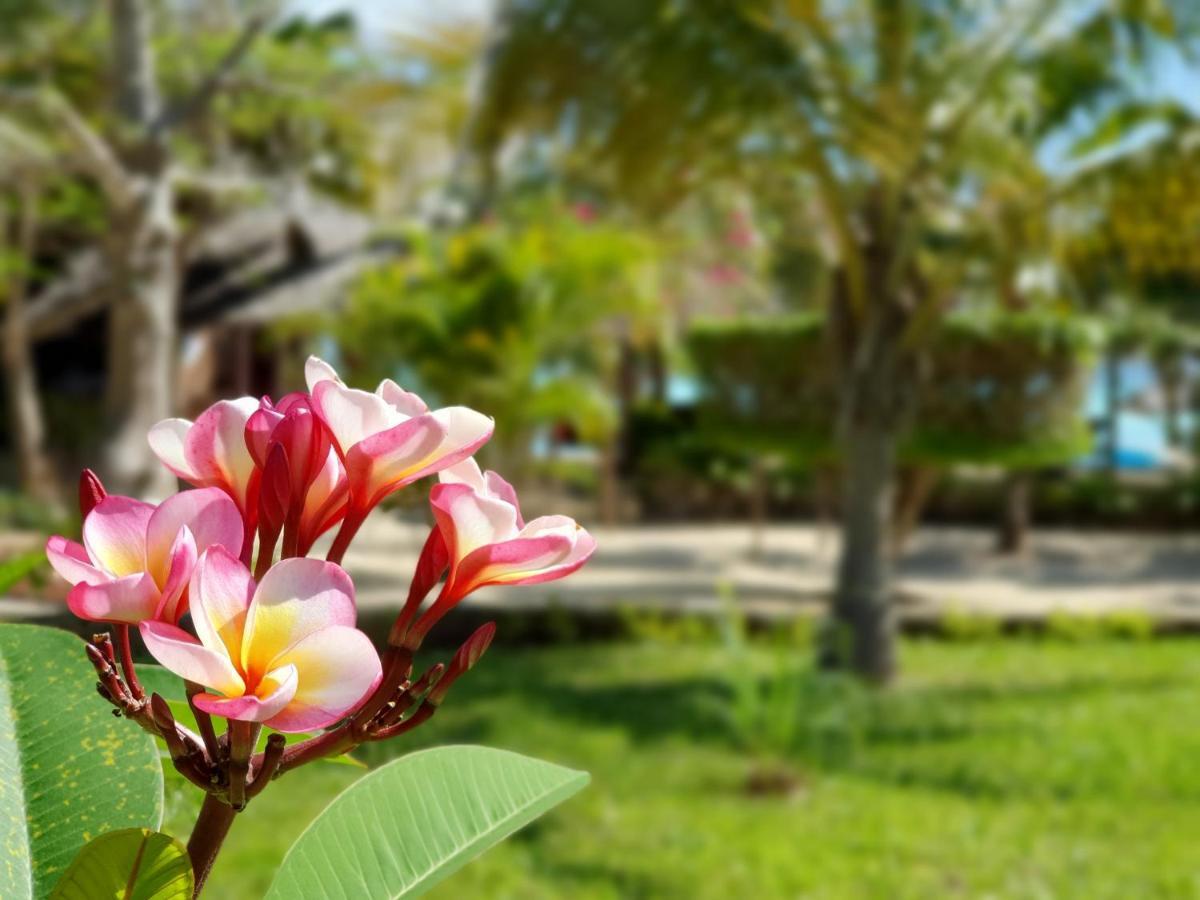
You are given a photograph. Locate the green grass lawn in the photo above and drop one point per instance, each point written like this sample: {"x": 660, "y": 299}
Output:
{"x": 1011, "y": 768}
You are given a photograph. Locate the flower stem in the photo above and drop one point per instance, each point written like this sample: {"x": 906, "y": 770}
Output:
{"x": 203, "y": 722}
{"x": 242, "y": 738}
{"x": 291, "y": 534}
{"x": 397, "y": 666}
{"x": 332, "y": 743}
{"x": 350, "y": 525}
{"x": 127, "y": 663}
{"x": 212, "y": 825}
{"x": 266, "y": 555}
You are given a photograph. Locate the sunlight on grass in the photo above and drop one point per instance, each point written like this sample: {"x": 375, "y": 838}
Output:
{"x": 1012, "y": 769}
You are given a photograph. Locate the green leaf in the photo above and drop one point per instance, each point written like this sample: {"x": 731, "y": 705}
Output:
{"x": 133, "y": 864}
{"x": 69, "y": 770}
{"x": 406, "y": 826}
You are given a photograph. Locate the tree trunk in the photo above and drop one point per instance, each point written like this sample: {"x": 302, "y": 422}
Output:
{"x": 615, "y": 452}
{"x": 760, "y": 498}
{"x": 474, "y": 173}
{"x": 1015, "y": 515}
{"x": 1171, "y": 378}
{"x": 141, "y": 254}
{"x": 915, "y": 487}
{"x": 25, "y": 409}
{"x": 863, "y": 634}
{"x": 1112, "y": 411}
{"x": 877, "y": 396}
{"x": 1173, "y": 415}
{"x": 610, "y": 495}
{"x": 658, "y": 372}
{"x": 141, "y": 343}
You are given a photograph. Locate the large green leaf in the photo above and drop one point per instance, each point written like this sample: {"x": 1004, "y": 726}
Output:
{"x": 133, "y": 864}
{"x": 69, "y": 770}
{"x": 403, "y": 828}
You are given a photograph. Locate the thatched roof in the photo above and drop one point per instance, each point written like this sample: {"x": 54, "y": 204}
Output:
{"x": 256, "y": 264}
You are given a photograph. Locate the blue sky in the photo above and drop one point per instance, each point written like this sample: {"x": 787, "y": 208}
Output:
{"x": 378, "y": 17}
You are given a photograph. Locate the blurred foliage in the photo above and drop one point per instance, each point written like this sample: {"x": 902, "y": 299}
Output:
{"x": 816, "y": 716}
{"x": 284, "y": 115}
{"x": 1006, "y": 388}
{"x": 24, "y": 566}
{"x": 768, "y": 67}
{"x": 1151, "y": 331}
{"x": 767, "y": 384}
{"x": 961, "y": 625}
{"x": 292, "y": 112}
{"x": 899, "y": 133}
{"x": 1003, "y": 387}
{"x": 681, "y": 471}
{"x": 1101, "y": 500}
{"x": 21, "y": 513}
{"x": 521, "y": 315}
{"x": 1142, "y": 232}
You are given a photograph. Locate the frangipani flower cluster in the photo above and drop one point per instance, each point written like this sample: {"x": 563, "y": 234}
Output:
{"x": 254, "y": 642}
{"x": 218, "y": 580}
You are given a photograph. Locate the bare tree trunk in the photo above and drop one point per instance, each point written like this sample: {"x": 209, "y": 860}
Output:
{"x": 1016, "y": 514}
{"x": 916, "y": 485}
{"x": 1171, "y": 377}
{"x": 760, "y": 496}
{"x": 1173, "y": 415}
{"x": 133, "y": 62}
{"x": 615, "y": 451}
{"x": 474, "y": 174}
{"x": 141, "y": 249}
{"x": 1112, "y": 411}
{"x": 141, "y": 342}
{"x": 610, "y": 501}
{"x": 25, "y": 409}
{"x": 658, "y": 371}
{"x": 863, "y": 633}
{"x": 877, "y": 394}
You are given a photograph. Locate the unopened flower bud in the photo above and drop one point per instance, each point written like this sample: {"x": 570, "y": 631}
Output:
{"x": 464, "y": 660}
{"x": 91, "y": 492}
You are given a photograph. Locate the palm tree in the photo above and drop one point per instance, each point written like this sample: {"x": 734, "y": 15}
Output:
{"x": 884, "y": 112}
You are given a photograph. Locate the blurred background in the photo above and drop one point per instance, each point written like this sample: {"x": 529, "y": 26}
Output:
{"x": 864, "y": 332}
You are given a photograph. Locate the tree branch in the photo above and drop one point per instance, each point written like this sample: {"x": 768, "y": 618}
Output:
{"x": 93, "y": 153}
{"x": 197, "y": 103}
{"x": 219, "y": 183}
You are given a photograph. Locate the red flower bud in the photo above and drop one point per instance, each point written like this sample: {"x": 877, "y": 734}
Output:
{"x": 431, "y": 566}
{"x": 91, "y": 491}
{"x": 464, "y": 660}
{"x": 292, "y": 425}
{"x": 274, "y": 493}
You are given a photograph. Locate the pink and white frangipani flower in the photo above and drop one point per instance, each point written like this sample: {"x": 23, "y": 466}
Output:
{"x": 212, "y": 452}
{"x": 314, "y": 480}
{"x": 136, "y": 559}
{"x": 390, "y": 438}
{"x": 482, "y": 539}
{"x": 284, "y": 653}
